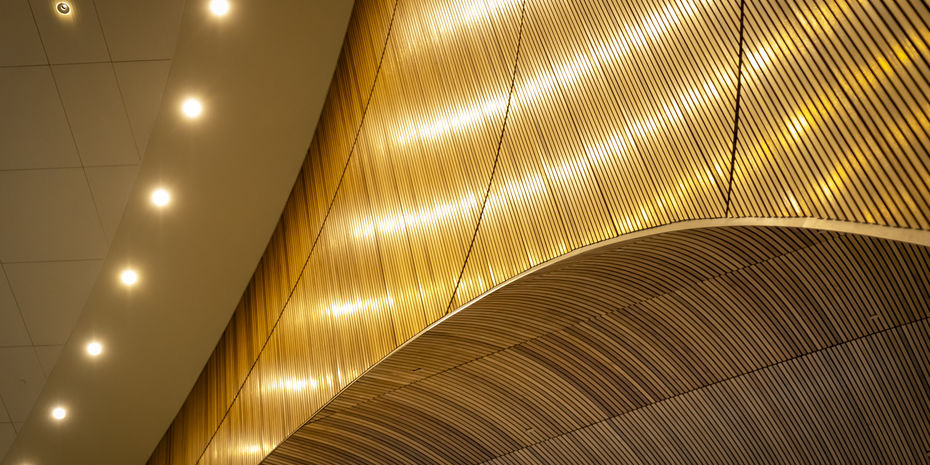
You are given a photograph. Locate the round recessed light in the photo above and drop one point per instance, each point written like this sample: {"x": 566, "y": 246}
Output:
{"x": 59, "y": 413}
{"x": 94, "y": 348}
{"x": 161, "y": 197}
{"x": 129, "y": 277}
{"x": 192, "y": 108}
{"x": 63, "y": 8}
{"x": 219, "y": 7}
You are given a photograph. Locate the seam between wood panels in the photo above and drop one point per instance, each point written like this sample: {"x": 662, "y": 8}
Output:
{"x": 497, "y": 154}
{"x": 739, "y": 88}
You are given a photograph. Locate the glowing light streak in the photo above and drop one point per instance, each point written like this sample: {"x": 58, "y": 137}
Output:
{"x": 449, "y": 20}
{"x": 649, "y": 29}
{"x": 297, "y": 384}
{"x": 358, "y": 305}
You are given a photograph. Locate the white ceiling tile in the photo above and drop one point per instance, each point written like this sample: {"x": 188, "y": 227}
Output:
{"x": 51, "y": 296}
{"x": 48, "y": 357}
{"x": 34, "y": 132}
{"x": 111, "y": 187}
{"x": 21, "y": 382}
{"x": 7, "y": 436}
{"x": 18, "y": 27}
{"x": 12, "y": 330}
{"x": 95, "y": 109}
{"x": 141, "y": 29}
{"x": 143, "y": 85}
{"x": 48, "y": 215}
{"x": 75, "y": 38}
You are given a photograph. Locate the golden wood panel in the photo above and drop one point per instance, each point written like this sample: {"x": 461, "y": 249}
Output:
{"x": 760, "y": 332}
{"x": 463, "y": 142}
{"x": 834, "y": 121}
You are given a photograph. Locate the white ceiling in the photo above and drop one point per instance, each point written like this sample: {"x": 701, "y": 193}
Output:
{"x": 74, "y": 206}
{"x": 78, "y": 98}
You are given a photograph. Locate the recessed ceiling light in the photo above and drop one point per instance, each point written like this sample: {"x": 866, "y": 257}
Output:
{"x": 192, "y": 108}
{"x": 59, "y": 413}
{"x": 219, "y": 7}
{"x": 63, "y": 8}
{"x": 94, "y": 349}
{"x": 161, "y": 197}
{"x": 129, "y": 276}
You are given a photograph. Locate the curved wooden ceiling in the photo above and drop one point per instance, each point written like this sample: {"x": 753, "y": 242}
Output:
{"x": 725, "y": 345}
{"x": 464, "y": 142}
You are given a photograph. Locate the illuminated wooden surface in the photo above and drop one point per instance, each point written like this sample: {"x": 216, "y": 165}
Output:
{"x": 466, "y": 141}
{"x": 723, "y": 345}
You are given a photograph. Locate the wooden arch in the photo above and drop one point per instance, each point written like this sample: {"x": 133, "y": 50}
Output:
{"x": 733, "y": 344}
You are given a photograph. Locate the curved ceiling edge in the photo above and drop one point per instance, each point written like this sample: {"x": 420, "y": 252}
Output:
{"x": 383, "y": 394}
{"x": 912, "y": 236}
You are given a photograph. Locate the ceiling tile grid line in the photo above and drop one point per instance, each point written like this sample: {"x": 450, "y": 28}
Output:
{"x": 115, "y": 62}
{"x": 68, "y": 260}
{"x": 19, "y": 310}
{"x": 122, "y": 98}
{"x": 11, "y": 316}
{"x": 5, "y": 389}
{"x": 5, "y": 411}
{"x": 4, "y": 392}
{"x": 116, "y": 165}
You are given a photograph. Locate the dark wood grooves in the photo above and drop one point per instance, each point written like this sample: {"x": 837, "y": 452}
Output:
{"x": 732, "y": 345}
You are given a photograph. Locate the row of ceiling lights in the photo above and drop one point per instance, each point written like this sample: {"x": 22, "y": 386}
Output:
{"x": 160, "y": 197}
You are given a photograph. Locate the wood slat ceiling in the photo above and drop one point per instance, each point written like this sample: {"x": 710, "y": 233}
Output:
{"x": 725, "y": 345}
